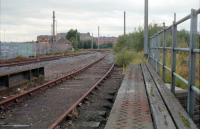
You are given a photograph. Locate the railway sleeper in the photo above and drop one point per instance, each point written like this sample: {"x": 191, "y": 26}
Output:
{"x": 94, "y": 110}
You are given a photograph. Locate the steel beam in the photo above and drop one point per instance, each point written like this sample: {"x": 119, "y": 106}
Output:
{"x": 164, "y": 55}
{"x": 146, "y": 28}
{"x": 191, "y": 81}
{"x": 173, "y": 52}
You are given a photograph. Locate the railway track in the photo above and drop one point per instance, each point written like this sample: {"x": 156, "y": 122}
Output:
{"x": 36, "y": 60}
{"x": 5, "y": 103}
{"x": 41, "y": 110}
{"x": 93, "y": 112}
{"x": 53, "y": 69}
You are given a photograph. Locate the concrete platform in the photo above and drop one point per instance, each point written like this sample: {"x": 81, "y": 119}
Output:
{"x": 19, "y": 78}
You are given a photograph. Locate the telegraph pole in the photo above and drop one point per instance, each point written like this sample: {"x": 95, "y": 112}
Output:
{"x": 92, "y": 45}
{"x": 98, "y": 37}
{"x": 76, "y": 39}
{"x": 53, "y": 32}
{"x": 146, "y": 27}
{"x": 124, "y": 23}
{"x": 53, "y": 26}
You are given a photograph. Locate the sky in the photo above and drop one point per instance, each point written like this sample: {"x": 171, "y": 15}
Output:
{"x": 23, "y": 20}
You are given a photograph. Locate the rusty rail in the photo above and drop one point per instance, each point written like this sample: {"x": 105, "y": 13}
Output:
{"x": 36, "y": 60}
{"x": 69, "y": 110}
{"x": 8, "y": 101}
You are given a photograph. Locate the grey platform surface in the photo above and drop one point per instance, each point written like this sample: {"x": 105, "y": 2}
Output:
{"x": 131, "y": 109}
{"x": 144, "y": 102}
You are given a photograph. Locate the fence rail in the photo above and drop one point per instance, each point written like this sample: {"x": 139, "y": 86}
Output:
{"x": 156, "y": 46}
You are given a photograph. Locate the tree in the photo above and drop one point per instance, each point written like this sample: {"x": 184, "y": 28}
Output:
{"x": 134, "y": 40}
{"x": 74, "y": 37}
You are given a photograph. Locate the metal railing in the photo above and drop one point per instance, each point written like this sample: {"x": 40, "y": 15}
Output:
{"x": 156, "y": 47}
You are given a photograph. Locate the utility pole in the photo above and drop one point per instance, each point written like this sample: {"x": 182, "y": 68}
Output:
{"x": 53, "y": 33}
{"x": 124, "y": 23}
{"x": 146, "y": 28}
{"x": 92, "y": 44}
{"x": 56, "y": 29}
{"x": 98, "y": 37}
{"x": 76, "y": 39}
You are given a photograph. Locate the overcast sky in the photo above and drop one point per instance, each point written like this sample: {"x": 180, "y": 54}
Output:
{"x": 23, "y": 20}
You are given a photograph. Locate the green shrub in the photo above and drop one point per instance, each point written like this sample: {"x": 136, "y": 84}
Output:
{"x": 124, "y": 58}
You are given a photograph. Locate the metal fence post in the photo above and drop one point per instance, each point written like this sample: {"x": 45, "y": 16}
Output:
{"x": 154, "y": 58}
{"x": 158, "y": 53}
{"x": 155, "y": 55}
{"x": 149, "y": 56}
{"x": 164, "y": 54}
{"x": 173, "y": 63}
{"x": 191, "y": 81}
{"x": 152, "y": 61}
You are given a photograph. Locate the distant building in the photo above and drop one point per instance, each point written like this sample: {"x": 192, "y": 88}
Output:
{"x": 61, "y": 40}
{"x": 62, "y": 44}
{"x": 61, "y": 35}
{"x": 106, "y": 40}
{"x": 85, "y": 37}
{"x": 44, "y": 38}
{"x": 48, "y": 38}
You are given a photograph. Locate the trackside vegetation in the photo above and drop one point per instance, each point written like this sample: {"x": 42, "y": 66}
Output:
{"x": 129, "y": 49}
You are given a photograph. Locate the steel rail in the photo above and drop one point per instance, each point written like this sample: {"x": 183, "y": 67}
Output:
{"x": 36, "y": 60}
{"x": 6, "y": 102}
{"x": 70, "y": 109}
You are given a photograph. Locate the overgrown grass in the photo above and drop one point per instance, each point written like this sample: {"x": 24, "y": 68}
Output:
{"x": 125, "y": 57}
{"x": 129, "y": 50}
{"x": 182, "y": 68}
{"x": 139, "y": 58}
{"x": 179, "y": 83}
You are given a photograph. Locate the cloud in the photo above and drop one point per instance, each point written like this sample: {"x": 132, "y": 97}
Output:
{"x": 23, "y": 20}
